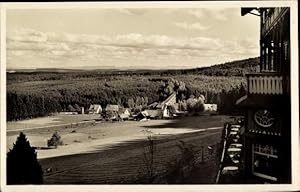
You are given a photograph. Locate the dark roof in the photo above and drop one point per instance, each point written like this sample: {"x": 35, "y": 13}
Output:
{"x": 153, "y": 105}
{"x": 263, "y": 101}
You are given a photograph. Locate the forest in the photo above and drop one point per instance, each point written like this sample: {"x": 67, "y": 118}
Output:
{"x": 36, "y": 94}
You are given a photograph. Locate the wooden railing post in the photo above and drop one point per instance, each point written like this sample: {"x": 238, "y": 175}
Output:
{"x": 265, "y": 84}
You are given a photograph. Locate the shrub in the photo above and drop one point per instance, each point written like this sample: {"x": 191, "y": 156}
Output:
{"x": 199, "y": 106}
{"x": 195, "y": 105}
{"x": 22, "y": 164}
{"x": 55, "y": 140}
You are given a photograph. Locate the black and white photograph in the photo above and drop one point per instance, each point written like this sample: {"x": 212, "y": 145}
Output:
{"x": 141, "y": 94}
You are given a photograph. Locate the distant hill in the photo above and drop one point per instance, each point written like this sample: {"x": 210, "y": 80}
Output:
{"x": 233, "y": 68}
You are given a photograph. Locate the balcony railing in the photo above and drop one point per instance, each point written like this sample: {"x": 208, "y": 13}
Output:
{"x": 266, "y": 83}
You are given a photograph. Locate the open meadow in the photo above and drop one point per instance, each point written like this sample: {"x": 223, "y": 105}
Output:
{"x": 112, "y": 152}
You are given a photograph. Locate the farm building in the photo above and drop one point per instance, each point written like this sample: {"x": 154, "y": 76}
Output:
{"x": 165, "y": 109}
{"x": 154, "y": 113}
{"x": 112, "y": 108}
{"x": 171, "y": 100}
{"x": 68, "y": 113}
{"x": 210, "y": 107}
{"x": 95, "y": 109}
{"x": 142, "y": 115}
{"x": 123, "y": 113}
{"x": 153, "y": 105}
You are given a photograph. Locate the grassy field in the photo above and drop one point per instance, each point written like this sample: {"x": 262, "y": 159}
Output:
{"x": 112, "y": 152}
{"x": 81, "y": 139}
{"x": 123, "y": 164}
{"x": 58, "y": 119}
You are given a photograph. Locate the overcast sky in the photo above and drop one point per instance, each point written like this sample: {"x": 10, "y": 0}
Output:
{"x": 152, "y": 38}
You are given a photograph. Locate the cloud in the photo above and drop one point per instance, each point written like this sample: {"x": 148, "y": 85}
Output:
{"x": 191, "y": 26}
{"x": 28, "y": 35}
{"x": 198, "y": 13}
{"x": 132, "y": 11}
{"x": 57, "y": 48}
{"x": 219, "y": 14}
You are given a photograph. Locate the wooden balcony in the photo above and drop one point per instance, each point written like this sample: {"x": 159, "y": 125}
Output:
{"x": 267, "y": 84}
{"x": 271, "y": 19}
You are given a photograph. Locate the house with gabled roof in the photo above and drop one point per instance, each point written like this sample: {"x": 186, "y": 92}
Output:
{"x": 124, "y": 113}
{"x": 95, "y": 109}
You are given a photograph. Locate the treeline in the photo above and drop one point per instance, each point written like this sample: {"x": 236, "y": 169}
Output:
{"x": 233, "y": 68}
{"x": 21, "y": 106}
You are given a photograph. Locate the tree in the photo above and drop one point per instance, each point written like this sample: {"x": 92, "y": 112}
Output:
{"x": 130, "y": 103}
{"x": 71, "y": 108}
{"x": 190, "y": 103}
{"x": 199, "y": 106}
{"x": 77, "y": 108}
{"x": 22, "y": 164}
{"x": 202, "y": 97}
{"x": 55, "y": 140}
{"x": 182, "y": 106}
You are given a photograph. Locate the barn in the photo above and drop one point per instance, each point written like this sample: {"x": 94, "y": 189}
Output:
{"x": 95, "y": 109}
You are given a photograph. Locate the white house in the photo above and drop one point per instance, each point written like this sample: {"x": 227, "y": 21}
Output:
{"x": 124, "y": 113}
{"x": 95, "y": 109}
{"x": 210, "y": 107}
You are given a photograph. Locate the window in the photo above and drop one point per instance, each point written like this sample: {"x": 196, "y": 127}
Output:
{"x": 266, "y": 150}
{"x": 263, "y": 17}
{"x": 267, "y": 59}
{"x": 272, "y": 68}
{"x": 286, "y": 50}
{"x": 265, "y": 161}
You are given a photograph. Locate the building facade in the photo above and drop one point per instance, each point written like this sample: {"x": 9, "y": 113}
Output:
{"x": 267, "y": 105}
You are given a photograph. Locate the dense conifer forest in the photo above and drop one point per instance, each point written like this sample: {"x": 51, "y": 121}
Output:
{"x": 41, "y": 93}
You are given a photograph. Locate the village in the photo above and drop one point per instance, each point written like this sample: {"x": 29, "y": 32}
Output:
{"x": 169, "y": 108}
